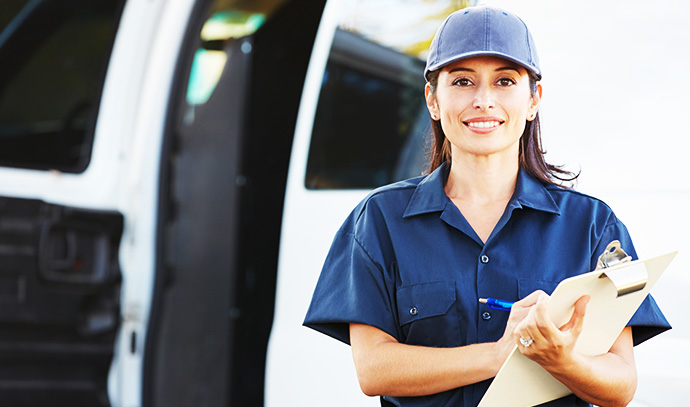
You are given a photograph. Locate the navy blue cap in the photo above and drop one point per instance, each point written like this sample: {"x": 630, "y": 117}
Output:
{"x": 483, "y": 30}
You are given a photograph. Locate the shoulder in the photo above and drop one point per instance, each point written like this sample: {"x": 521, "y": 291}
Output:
{"x": 371, "y": 223}
{"x": 396, "y": 189}
{"x": 380, "y": 208}
{"x": 573, "y": 203}
{"x": 590, "y": 219}
{"x": 573, "y": 196}
{"x": 389, "y": 200}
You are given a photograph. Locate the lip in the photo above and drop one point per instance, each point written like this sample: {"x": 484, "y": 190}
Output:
{"x": 484, "y": 124}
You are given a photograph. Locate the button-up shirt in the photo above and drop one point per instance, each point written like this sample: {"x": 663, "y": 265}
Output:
{"x": 406, "y": 261}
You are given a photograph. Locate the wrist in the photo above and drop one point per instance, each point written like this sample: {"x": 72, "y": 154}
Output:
{"x": 565, "y": 363}
{"x": 499, "y": 352}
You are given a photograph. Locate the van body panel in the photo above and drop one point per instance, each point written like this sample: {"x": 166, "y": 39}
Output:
{"x": 295, "y": 362}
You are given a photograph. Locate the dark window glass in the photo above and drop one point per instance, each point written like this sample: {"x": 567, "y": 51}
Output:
{"x": 54, "y": 54}
{"x": 371, "y": 120}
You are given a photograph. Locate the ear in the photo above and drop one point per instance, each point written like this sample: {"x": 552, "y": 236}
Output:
{"x": 431, "y": 102}
{"x": 534, "y": 103}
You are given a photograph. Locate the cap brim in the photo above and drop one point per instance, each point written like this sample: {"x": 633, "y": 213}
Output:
{"x": 533, "y": 69}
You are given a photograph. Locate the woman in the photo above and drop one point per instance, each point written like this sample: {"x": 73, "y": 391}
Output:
{"x": 402, "y": 280}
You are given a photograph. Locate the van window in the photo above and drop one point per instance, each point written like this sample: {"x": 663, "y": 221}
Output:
{"x": 371, "y": 120}
{"x": 228, "y": 22}
{"x": 371, "y": 125}
{"x": 222, "y": 27}
{"x": 54, "y": 55}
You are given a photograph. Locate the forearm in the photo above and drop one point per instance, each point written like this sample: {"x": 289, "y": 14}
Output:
{"x": 386, "y": 367}
{"x": 404, "y": 370}
{"x": 606, "y": 380}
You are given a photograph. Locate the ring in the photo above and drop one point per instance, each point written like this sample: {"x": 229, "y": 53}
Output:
{"x": 526, "y": 342}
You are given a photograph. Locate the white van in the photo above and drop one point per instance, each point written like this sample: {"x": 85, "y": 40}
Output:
{"x": 172, "y": 173}
{"x": 144, "y": 152}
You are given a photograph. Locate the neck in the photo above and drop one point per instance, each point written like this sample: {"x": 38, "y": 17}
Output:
{"x": 482, "y": 179}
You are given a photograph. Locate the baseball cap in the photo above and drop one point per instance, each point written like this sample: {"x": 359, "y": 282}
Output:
{"x": 482, "y": 30}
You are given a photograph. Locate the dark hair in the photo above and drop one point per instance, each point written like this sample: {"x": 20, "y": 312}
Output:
{"x": 531, "y": 154}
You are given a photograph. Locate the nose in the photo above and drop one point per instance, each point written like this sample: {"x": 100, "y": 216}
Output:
{"x": 484, "y": 98}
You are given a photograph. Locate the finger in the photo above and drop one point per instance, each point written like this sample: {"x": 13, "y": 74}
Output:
{"x": 542, "y": 322}
{"x": 530, "y": 337}
{"x": 517, "y": 314}
{"x": 520, "y": 309}
{"x": 577, "y": 312}
{"x": 521, "y": 329}
{"x": 531, "y": 299}
{"x": 527, "y": 320}
{"x": 524, "y": 341}
{"x": 578, "y": 317}
{"x": 528, "y": 328}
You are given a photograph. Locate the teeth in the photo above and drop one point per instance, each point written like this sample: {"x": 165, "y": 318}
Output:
{"x": 483, "y": 125}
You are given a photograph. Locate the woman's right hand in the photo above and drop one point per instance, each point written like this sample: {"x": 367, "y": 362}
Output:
{"x": 518, "y": 312}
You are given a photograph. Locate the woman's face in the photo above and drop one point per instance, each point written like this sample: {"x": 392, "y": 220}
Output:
{"x": 483, "y": 104}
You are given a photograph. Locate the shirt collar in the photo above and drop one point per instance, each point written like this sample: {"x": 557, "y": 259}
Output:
{"x": 531, "y": 193}
{"x": 429, "y": 195}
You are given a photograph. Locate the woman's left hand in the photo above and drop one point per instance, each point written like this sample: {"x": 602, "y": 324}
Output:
{"x": 545, "y": 343}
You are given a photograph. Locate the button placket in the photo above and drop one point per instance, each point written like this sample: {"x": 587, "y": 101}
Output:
{"x": 484, "y": 259}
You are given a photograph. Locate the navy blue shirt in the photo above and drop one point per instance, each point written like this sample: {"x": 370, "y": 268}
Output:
{"x": 407, "y": 262}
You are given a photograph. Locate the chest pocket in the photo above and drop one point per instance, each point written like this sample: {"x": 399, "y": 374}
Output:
{"x": 427, "y": 314}
{"x": 527, "y": 286}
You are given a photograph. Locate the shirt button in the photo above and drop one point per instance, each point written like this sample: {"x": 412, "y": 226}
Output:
{"x": 484, "y": 259}
{"x": 486, "y": 315}
{"x": 414, "y": 311}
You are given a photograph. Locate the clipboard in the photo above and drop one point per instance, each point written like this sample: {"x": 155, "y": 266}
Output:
{"x": 617, "y": 288}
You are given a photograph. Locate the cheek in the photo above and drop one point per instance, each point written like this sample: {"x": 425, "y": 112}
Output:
{"x": 519, "y": 107}
{"x": 520, "y": 128}
{"x": 450, "y": 105}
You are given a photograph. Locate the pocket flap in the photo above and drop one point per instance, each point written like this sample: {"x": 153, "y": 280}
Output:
{"x": 527, "y": 286}
{"x": 425, "y": 300}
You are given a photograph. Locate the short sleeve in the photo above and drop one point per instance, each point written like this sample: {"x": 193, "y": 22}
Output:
{"x": 648, "y": 321}
{"x": 352, "y": 288}
{"x": 614, "y": 231}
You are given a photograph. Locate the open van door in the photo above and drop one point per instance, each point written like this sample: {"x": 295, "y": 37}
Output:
{"x": 226, "y": 148}
{"x": 59, "y": 269}
{"x": 144, "y": 147}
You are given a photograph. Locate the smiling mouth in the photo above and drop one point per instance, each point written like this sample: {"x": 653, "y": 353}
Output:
{"x": 483, "y": 124}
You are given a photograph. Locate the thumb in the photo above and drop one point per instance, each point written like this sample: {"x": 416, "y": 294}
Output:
{"x": 578, "y": 317}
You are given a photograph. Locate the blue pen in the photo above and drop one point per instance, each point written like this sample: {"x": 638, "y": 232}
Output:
{"x": 497, "y": 304}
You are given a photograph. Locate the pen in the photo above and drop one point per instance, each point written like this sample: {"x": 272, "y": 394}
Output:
{"x": 496, "y": 304}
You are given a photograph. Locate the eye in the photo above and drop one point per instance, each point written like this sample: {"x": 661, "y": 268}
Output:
{"x": 506, "y": 82}
{"x": 462, "y": 82}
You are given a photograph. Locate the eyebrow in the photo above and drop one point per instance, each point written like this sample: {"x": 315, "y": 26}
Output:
{"x": 504, "y": 68}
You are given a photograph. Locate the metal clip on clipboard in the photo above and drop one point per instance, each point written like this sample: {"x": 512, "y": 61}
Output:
{"x": 626, "y": 280}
